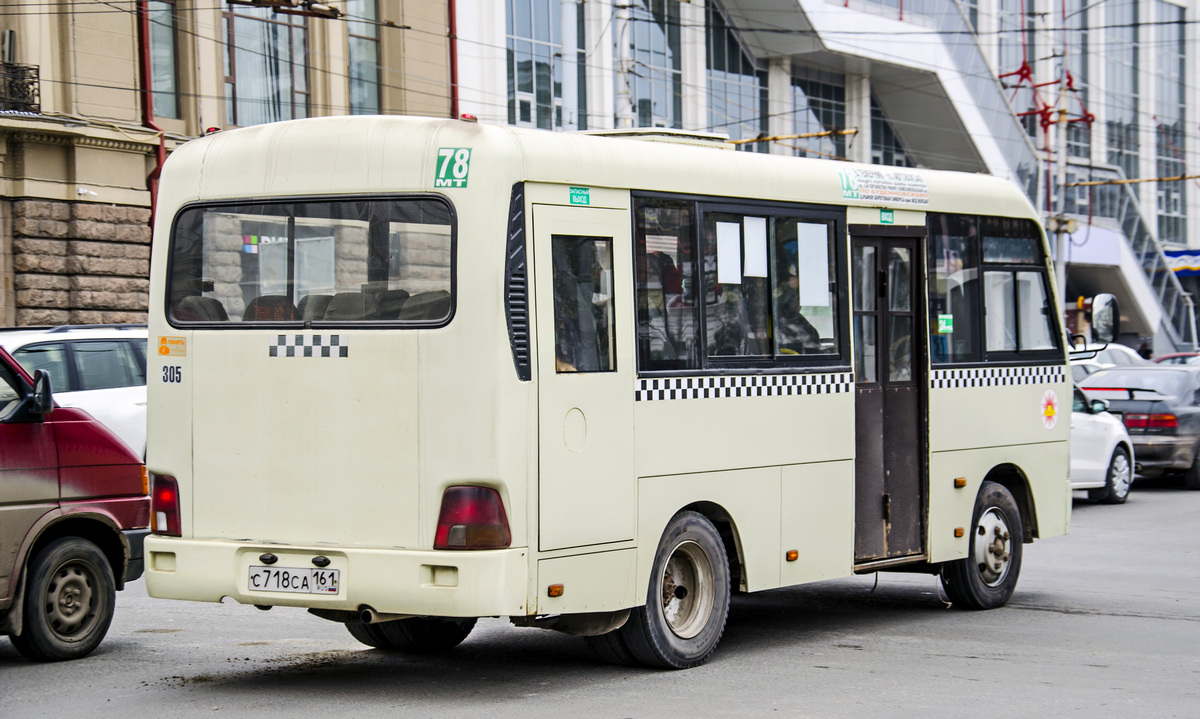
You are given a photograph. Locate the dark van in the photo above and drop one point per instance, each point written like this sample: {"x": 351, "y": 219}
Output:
{"x": 73, "y": 513}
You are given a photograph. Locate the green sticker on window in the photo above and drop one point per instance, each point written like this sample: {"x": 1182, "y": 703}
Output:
{"x": 581, "y": 196}
{"x": 453, "y": 165}
{"x": 887, "y": 217}
{"x": 945, "y": 324}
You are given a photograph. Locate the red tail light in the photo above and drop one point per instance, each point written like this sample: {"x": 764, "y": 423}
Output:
{"x": 164, "y": 505}
{"x": 1151, "y": 421}
{"x": 472, "y": 518}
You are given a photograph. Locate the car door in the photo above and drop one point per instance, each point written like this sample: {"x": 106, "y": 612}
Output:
{"x": 28, "y": 471}
{"x": 1089, "y": 435}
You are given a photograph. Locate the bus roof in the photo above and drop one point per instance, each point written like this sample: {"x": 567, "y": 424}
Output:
{"x": 376, "y": 154}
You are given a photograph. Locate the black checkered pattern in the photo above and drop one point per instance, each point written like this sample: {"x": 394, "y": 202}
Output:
{"x": 742, "y": 386}
{"x": 309, "y": 346}
{"x": 997, "y": 376}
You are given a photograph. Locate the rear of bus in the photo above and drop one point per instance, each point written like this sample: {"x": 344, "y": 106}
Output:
{"x": 331, "y": 383}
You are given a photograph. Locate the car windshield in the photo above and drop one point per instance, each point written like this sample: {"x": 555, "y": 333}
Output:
{"x": 1167, "y": 383}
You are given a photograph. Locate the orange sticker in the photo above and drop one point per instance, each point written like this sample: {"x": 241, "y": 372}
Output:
{"x": 172, "y": 346}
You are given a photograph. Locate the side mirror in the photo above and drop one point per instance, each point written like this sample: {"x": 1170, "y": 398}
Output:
{"x": 1105, "y": 319}
{"x": 42, "y": 400}
{"x": 1099, "y": 405}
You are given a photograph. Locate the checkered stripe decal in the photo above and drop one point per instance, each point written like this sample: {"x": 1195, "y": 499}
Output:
{"x": 996, "y": 376}
{"x": 309, "y": 346}
{"x": 742, "y": 386}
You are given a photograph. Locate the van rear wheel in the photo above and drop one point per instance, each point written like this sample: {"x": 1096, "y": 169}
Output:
{"x": 69, "y": 601}
{"x": 420, "y": 635}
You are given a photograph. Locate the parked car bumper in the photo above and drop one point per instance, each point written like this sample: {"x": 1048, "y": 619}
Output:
{"x": 1164, "y": 453}
{"x": 137, "y": 562}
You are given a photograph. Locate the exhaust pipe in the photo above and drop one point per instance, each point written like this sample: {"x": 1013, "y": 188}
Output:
{"x": 367, "y": 615}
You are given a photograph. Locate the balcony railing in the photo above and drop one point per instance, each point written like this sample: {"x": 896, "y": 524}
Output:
{"x": 1118, "y": 203}
{"x": 20, "y": 88}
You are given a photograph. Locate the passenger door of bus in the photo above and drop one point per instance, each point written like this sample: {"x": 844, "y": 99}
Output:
{"x": 890, "y": 391}
{"x": 583, "y": 292}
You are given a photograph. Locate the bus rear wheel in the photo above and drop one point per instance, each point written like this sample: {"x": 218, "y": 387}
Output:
{"x": 986, "y": 578}
{"x": 688, "y": 600}
{"x": 423, "y": 635}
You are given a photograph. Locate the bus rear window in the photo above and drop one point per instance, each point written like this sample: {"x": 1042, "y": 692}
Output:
{"x": 329, "y": 262}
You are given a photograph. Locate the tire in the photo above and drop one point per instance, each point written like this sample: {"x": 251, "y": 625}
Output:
{"x": 611, "y": 648}
{"x": 986, "y": 578}
{"x": 1118, "y": 480}
{"x": 424, "y": 635}
{"x": 1191, "y": 478}
{"x": 69, "y": 601}
{"x": 368, "y": 634}
{"x": 688, "y": 598}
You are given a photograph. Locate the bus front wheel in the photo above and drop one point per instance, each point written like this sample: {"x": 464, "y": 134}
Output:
{"x": 986, "y": 578}
{"x": 688, "y": 600}
{"x": 424, "y": 635}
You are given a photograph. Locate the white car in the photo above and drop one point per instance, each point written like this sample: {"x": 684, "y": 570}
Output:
{"x": 1101, "y": 451}
{"x": 1118, "y": 355}
{"x": 100, "y": 369}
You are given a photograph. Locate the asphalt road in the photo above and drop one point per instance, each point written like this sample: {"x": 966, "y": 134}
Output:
{"x": 1105, "y": 623}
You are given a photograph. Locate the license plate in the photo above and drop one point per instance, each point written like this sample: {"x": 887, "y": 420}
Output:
{"x": 294, "y": 579}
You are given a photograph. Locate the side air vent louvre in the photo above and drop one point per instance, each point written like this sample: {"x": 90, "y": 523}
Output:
{"x": 516, "y": 284}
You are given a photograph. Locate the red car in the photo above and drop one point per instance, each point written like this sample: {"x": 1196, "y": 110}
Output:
{"x": 73, "y": 513}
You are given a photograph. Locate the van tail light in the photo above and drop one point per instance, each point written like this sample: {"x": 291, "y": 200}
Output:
{"x": 472, "y": 518}
{"x": 164, "y": 505}
{"x": 1151, "y": 421}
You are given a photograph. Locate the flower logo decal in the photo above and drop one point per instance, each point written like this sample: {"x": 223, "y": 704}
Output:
{"x": 1049, "y": 409}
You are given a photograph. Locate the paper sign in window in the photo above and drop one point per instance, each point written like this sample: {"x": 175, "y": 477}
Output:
{"x": 729, "y": 253}
{"x": 756, "y": 246}
{"x": 812, "y": 245}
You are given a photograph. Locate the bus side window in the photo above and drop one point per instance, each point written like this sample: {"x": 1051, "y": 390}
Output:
{"x": 583, "y": 308}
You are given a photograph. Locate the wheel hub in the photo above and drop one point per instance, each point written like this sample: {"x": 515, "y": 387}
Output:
{"x": 993, "y": 547}
{"x": 687, "y": 590}
{"x": 69, "y": 601}
{"x": 1121, "y": 475}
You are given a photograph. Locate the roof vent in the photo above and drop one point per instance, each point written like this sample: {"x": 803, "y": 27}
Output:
{"x": 662, "y": 134}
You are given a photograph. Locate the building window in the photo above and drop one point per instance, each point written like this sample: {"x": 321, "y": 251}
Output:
{"x": 1170, "y": 74}
{"x": 972, "y": 8}
{"x": 1079, "y": 134}
{"x": 1121, "y": 58}
{"x": 737, "y": 84}
{"x": 266, "y": 66}
{"x": 818, "y": 105}
{"x": 655, "y": 78}
{"x": 534, "y": 67}
{"x": 886, "y": 148}
{"x": 164, "y": 65}
{"x": 363, "y": 54}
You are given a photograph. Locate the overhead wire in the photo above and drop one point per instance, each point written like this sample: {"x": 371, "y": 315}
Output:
{"x": 113, "y": 6}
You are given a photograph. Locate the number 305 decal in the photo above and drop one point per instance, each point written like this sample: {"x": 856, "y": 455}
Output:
{"x": 172, "y": 374}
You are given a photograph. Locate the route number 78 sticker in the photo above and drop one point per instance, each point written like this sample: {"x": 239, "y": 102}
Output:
{"x": 453, "y": 165}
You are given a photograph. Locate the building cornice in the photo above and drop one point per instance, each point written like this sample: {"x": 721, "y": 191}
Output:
{"x": 46, "y": 132}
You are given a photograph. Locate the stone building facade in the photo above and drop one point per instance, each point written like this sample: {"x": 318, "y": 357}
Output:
{"x": 79, "y": 263}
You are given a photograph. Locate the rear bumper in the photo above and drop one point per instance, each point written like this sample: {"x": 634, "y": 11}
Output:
{"x": 1175, "y": 452}
{"x": 390, "y": 581}
{"x": 136, "y": 539}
